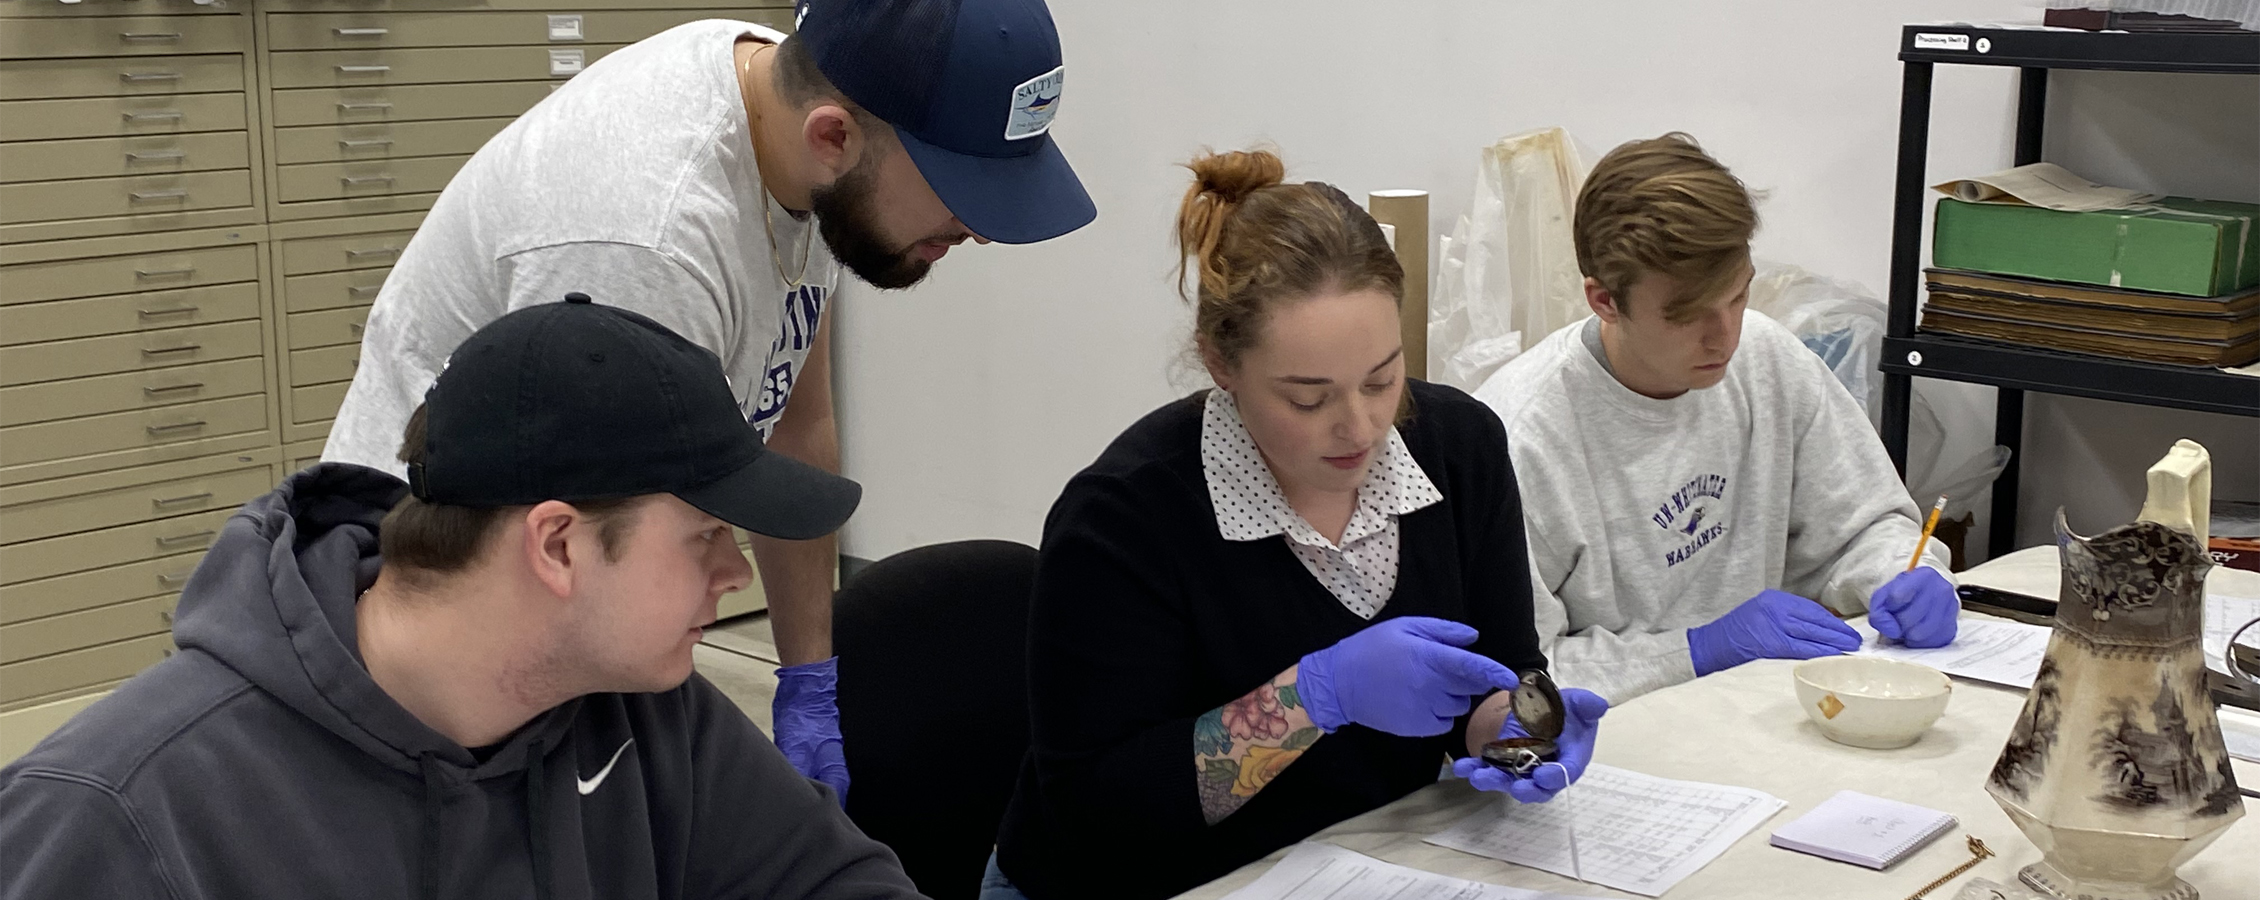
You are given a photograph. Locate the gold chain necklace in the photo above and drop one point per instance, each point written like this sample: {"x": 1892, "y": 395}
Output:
{"x": 808, "y": 241}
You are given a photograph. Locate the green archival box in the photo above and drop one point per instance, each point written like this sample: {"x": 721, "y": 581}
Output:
{"x": 2202, "y": 248}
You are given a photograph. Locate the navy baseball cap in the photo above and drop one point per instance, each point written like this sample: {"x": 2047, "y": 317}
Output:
{"x": 971, "y": 87}
{"x": 575, "y": 401}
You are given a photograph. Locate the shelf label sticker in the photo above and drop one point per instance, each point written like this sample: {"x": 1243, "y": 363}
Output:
{"x": 565, "y": 28}
{"x": 1959, "y": 42}
{"x": 566, "y": 62}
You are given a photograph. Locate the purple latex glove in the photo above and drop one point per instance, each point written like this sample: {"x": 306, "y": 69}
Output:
{"x": 807, "y": 716}
{"x": 1580, "y": 725}
{"x": 1772, "y": 625}
{"x": 1919, "y": 608}
{"x": 1405, "y": 676}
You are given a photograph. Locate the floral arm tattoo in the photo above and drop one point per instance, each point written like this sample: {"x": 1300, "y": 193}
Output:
{"x": 1241, "y": 746}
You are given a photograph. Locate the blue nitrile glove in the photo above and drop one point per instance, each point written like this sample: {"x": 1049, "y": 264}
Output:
{"x": 1918, "y": 608}
{"x": 1772, "y": 625}
{"x": 1581, "y": 722}
{"x": 1405, "y": 676}
{"x": 807, "y": 722}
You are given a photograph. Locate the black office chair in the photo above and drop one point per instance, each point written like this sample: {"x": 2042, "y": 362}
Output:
{"x": 933, "y": 692}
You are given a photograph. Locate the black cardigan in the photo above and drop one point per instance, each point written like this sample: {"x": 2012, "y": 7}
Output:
{"x": 1145, "y": 618}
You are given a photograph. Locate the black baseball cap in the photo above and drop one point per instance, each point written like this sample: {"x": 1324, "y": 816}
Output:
{"x": 576, "y": 401}
{"x": 970, "y": 87}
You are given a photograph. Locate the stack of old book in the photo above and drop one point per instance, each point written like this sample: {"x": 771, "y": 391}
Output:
{"x": 2127, "y": 324}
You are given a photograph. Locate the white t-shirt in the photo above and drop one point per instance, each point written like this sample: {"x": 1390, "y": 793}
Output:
{"x": 1648, "y": 517}
{"x": 633, "y": 183}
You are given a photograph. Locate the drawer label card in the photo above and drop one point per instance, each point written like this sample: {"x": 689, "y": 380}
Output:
{"x": 566, "y": 62}
{"x": 565, "y": 28}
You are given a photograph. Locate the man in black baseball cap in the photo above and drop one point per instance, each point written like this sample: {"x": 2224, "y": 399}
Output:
{"x": 717, "y": 177}
{"x": 501, "y": 702}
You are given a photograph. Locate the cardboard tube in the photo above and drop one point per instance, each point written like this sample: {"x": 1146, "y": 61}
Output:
{"x": 1407, "y": 212}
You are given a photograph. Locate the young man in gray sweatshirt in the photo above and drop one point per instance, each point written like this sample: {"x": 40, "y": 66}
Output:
{"x": 500, "y": 703}
{"x": 1694, "y": 478}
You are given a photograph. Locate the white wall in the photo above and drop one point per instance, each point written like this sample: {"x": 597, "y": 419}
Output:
{"x": 968, "y": 402}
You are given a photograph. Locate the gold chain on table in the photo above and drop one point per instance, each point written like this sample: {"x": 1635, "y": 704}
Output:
{"x": 808, "y": 241}
{"x": 1979, "y": 852}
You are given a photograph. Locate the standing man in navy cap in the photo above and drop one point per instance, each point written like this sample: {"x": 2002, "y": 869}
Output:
{"x": 716, "y": 177}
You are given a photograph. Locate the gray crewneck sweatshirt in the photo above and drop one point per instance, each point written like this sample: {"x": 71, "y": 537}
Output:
{"x": 1648, "y": 517}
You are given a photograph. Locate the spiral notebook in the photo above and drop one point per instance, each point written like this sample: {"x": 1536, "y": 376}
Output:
{"x": 1863, "y": 830}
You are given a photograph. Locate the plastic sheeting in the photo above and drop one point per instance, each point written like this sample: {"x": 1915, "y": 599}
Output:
{"x": 1507, "y": 275}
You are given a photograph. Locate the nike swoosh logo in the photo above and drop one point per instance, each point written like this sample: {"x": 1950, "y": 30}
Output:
{"x": 588, "y": 785}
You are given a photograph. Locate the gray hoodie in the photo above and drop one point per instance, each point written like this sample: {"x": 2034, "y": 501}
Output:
{"x": 262, "y": 761}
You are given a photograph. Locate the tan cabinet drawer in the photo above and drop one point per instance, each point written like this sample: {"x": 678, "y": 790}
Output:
{"x": 301, "y": 455}
{"x": 323, "y": 329}
{"x": 34, "y": 560}
{"x": 40, "y": 120}
{"x": 305, "y": 293}
{"x": 138, "y": 503}
{"x": 317, "y": 404}
{"x": 334, "y": 181}
{"x": 328, "y": 364}
{"x": 354, "y": 251}
{"x": 87, "y": 628}
{"x": 357, "y": 68}
{"x": 337, "y": 106}
{"x": 33, "y": 282}
{"x": 124, "y": 36}
{"x": 85, "y": 590}
{"x": 141, "y": 195}
{"x": 56, "y": 320}
{"x": 25, "y": 444}
{"x": 383, "y": 140}
{"x": 115, "y": 156}
{"x": 337, "y": 31}
{"x": 81, "y": 668}
{"x": 52, "y": 400}
{"x": 47, "y": 79}
{"x": 58, "y": 360}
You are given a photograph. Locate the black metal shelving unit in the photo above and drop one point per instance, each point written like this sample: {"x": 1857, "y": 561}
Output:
{"x": 2013, "y": 369}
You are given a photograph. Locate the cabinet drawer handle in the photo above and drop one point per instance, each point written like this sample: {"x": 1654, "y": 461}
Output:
{"x": 165, "y": 616}
{"x": 375, "y": 251}
{"x": 176, "y": 501}
{"x": 175, "y": 194}
{"x": 177, "y": 426}
{"x": 363, "y": 107}
{"x": 179, "y": 539}
{"x": 355, "y": 327}
{"x": 372, "y": 142}
{"x": 149, "y": 35}
{"x": 162, "y": 115}
{"x": 169, "y": 579}
{"x": 359, "y": 180}
{"x": 145, "y": 156}
{"x": 182, "y": 272}
{"x": 174, "y": 311}
{"x": 362, "y": 290}
{"x": 363, "y": 70}
{"x": 138, "y": 77}
{"x": 184, "y": 348}
{"x": 161, "y": 391}
{"x": 361, "y": 32}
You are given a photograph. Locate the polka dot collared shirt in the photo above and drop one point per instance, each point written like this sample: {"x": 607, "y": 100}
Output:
{"x": 1361, "y": 571}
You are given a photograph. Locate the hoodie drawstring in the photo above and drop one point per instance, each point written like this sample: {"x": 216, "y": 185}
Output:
{"x": 432, "y": 826}
{"x": 537, "y": 818}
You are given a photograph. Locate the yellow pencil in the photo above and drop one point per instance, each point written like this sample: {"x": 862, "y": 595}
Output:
{"x": 1928, "y": 527}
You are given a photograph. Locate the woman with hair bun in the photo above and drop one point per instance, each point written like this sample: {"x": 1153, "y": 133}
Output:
{"x": 1280, "y": 603}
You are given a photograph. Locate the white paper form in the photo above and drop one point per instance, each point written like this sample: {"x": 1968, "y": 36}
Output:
{"x": 1988, "y": 649}
{"x": 2224, "y": 614}
{"x": 1635, "y": 832}
{"x": 1317, "y": 871}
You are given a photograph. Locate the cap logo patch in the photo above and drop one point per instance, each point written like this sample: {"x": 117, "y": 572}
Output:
{"x": 1034, "y": 103}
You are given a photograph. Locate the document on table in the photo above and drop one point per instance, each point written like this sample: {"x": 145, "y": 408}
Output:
{"x": 1317, "y": 871}
{"x": 2224, "y": 614}
{"x": 1635, "y": 832}
{"x": 1985, "y": 648}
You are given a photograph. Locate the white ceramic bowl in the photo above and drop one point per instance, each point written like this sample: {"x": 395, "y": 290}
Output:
{"x": 1868, "y": 702}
